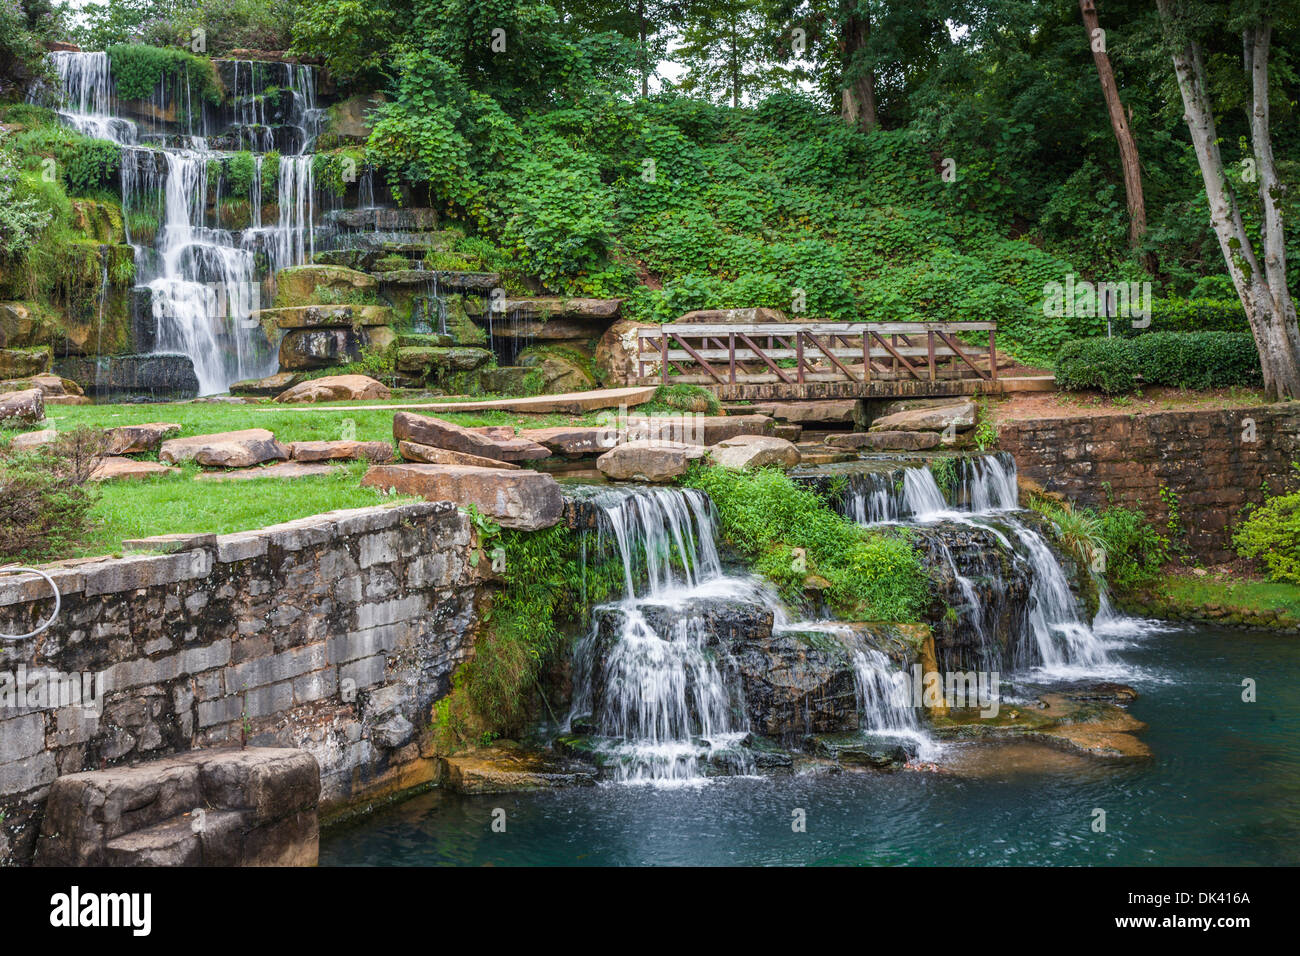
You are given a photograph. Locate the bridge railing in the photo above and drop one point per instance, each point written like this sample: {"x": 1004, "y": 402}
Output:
{"x": 797, "y": 353}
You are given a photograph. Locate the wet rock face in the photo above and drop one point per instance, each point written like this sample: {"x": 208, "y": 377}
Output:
{"x": 796, "y": 684}
{"x": 158, "y": 375}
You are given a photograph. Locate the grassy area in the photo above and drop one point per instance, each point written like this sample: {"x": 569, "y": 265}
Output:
{"x": 177, "y": 503}
{"x": 1228, "y": 598}
{"x": 321, "y": 422}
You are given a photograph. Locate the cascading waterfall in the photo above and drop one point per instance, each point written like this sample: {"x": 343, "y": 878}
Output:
{"x": 205, "y": 280}
{"x": 984, "y": 494}
{"x": 884, "y": 705}
{"x": 652, "y": 678}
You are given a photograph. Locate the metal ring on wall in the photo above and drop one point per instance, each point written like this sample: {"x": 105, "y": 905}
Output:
{"x": 58, "y": 602}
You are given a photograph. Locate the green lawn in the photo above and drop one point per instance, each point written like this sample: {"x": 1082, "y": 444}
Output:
{"x": 1225, "y": 597}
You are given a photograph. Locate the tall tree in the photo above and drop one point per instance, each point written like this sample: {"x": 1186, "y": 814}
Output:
{"x": 728, "y": 47}
{"x": 1128, "y": 151}
{"x": 857, "y": 76}
{"x": 1260, "y": 279}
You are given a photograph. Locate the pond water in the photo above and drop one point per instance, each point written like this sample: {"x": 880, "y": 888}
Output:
{"x": 1223, "y": 788}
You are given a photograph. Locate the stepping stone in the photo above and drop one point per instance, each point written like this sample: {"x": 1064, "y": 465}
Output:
{"x": 788, "y": 432}
{"x": 429, "y": 455}
{"x": 651, "y": 460}
{"x": 117, "y": 469}
{"x": 441, "y": 434}
{"x": 268, "y": 387}
{"x": 376, "y": 451}
{"x": 335, "y": 388}
{"x": 239, "y": 449}
{"x": 573, "y": 442}
{"x": 29, "y": 440}
{"x": 755, "y": 451}
{"x": 138, "y": 439}
{"x": 573, "y": 403}
{"x": 25, "y": 406}
{"x": 886, "y": 440}
{"x": 932, "y": 419}
{"x": 527, "y": 500}
{"x": 285, "y": 469}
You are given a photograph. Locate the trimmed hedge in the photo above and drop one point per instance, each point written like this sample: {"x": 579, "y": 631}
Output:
{"x": 1190, "y": 315}
{"x": 1178, "y": 359}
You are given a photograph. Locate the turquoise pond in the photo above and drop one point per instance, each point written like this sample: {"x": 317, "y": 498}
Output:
{"x": 1223, "y": 788}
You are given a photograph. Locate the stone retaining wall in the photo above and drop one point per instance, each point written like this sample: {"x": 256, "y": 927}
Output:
{"x": 1216, "y": 461}
{"x": 334, "y": 634}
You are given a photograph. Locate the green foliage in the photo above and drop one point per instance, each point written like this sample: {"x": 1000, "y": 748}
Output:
{"x": 547, "y": 585}
{"x": 1191, "y": 315}
{"x": 1271, "y": 533}
{"x": 84, "y": 165}
{"x": 1119, "y": 542}
{"x": 766, "y": 517}
{"x": 44, "y": 499}
{"x": 1177, "y": 359}
{"x": 139, "y": 69}
{"x": 238, "y": 175}
{"x": 22, "y": 216}
{"x": 682, "y": 398}
{"x": 24, "y": 26}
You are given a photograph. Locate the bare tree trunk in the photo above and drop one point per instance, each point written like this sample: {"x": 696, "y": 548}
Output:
{"x": 1269, "y": 308}
{"x": 645, "y": 54}
{"x": 1128, "y": 151}
{"x": 858, "y": 97}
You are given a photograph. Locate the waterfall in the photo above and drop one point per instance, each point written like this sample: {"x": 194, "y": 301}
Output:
{"x": 205, "y": 281}
{"x": 884, "y": 706}
{"x": 984, "y": 494}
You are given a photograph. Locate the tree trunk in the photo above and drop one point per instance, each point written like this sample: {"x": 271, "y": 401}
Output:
{"x": 645, "y": 53}
{"x": 858, "y": 97}
{"x": 1268, "y": 307}
{"x": 1128, "y": 151}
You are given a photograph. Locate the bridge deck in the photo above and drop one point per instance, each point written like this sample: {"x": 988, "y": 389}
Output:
{"x": 817, "y": 360}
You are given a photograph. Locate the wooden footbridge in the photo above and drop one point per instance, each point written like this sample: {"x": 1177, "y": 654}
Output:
{"x": 829, "y": 359}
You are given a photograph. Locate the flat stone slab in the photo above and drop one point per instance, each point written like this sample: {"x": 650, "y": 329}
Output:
{"x": 650, "y": 460}
{"x": 324, "y": 316}
{"x": 571, "y": 403}
{"x": 527, "y": 500}
{"x": 28, "y": 440}
{"x": 429, "y": 455}
{"x": 886, "y": 440}
{"x": 960, "y": 415}
{"x": 755, "y": 451}
{"x": 285, "y": 469}
{"x": 506, "y": 770}
{"x": 574, "y": 442}
{"x": 239, "y": 449}
{"x": 694, "y": 429}
{"x": 212, "y": 807}
{"x": 828, "y": 410}
{"x": 170, "y": 543}
{"x": 138, "y": 439}
{"x": 114, "y": 468}
{"x": 376, "y": 451}
{"x": 750, "y": 316}
{"x": 27, "y": 406}
{"x": 268, "y": 387}
{"x": 335, "y": 388}
{"x": 423, "y": 430}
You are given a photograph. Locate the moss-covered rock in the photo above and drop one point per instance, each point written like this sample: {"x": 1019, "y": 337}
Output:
{"x": 324, "y": 285}
{"x": 562, "y": 370}
{"x": 22, "y": 363}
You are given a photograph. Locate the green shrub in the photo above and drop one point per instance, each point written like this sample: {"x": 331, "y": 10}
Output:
{"x": 1135, "y": 551}
{"x": 138, "y": 69}
{"x": 766, "y": 516}
{"x": 682, "y": 398}
{"x": 1191, "y": 315}
{"x": 1175, "y": 359}
{"x": 1105, "y": 364}
{"x": 1272, "y": 534}
{"x": 44, "y": 501}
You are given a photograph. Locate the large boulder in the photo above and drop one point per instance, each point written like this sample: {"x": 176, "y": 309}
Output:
{"x": 51, "y": 386}
{"x": 239, "y": 449}
{"x": 561, "y": 373}
{"x": 29, "y": 440}
{"x": 697, "y": 429}
{"x": 574, "y": 441}
{"x": 802, "y": 413}
{"x": 429, "y": 455}
{"x": 25, "y": 407}
{"x": 137, "y": 439}
{"x": 754, "y": 451}
{"x": 298, "y": 285}
{"x": 302, "y": 349}
{"x": 617, "y": 359}
{"x": 267, "y": 387}
{"x": 886, "y": 440}
{"x": 527, "y": 500}
{"x": 19, "y": 363}
{"x": 424, "y": 430}
{"x": 432, "y": 362}
{"x": 648, "y": 460}
{"x": 376, "y": 451}
{"x": 114, "y": 468}
{"x": 960, "y": 416}
{"x": 21, "y": 327}
{"x": 335, "y": 388}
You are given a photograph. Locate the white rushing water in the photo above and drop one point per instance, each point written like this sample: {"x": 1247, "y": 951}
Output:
{"x": 204, "y": 280}
{"x": 985, "y": 494}
{"x": 670, "y": 698}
